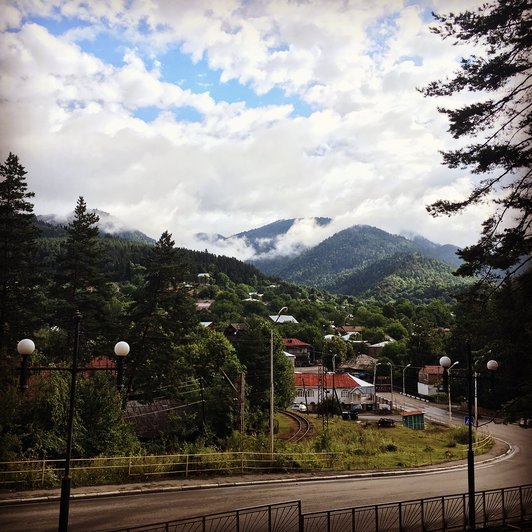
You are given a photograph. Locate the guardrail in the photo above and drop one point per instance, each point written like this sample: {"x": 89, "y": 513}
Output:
{"x": 436, "y": 514}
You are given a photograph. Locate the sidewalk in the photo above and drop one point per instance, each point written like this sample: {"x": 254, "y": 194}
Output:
{"x": 498, "y": 450}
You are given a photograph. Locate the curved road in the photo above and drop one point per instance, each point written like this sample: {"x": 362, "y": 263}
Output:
{"x": 130, "y": 510}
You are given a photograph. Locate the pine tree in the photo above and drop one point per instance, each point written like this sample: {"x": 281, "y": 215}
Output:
{"x": 161, "y": 315}
{"x": 503, "y": 156}
{"x": 80, "y": 284}
{"x": 17, "y": 248}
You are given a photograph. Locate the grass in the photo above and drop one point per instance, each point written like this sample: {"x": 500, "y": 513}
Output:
{"x": 340, "y": 446}
{"x": 364, "y": 446}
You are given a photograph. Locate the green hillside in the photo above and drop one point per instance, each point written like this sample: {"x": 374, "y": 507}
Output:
{"x": 404, "y": 275}
{"x": 366, "y": 261}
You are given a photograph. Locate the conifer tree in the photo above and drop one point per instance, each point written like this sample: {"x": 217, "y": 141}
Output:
{"x": 17, "y": 247}
{"x": 80, "y": 282}
{"x": 501, "y": 129}
{"x": 161, "y": 315}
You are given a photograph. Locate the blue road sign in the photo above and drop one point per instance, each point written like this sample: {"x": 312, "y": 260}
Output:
{"x": 466, "y": 420}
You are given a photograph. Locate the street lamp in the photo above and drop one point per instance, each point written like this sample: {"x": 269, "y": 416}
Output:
{"x": 492, "y": 365}
{"x": 374, "y": 389}
{"x": 284, "y": 309}
{"x": 404, "y": 369}
{"x": 445, "y": 363}
{"x": 391, "y": 386}
{"x": 25, "y": 348}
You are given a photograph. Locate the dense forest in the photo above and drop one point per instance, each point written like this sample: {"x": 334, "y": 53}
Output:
{"x": 365, "y": 261}
{"x": 148, "y": 294}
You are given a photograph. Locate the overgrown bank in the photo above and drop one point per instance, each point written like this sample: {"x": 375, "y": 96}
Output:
{"x": 338, "y": 446}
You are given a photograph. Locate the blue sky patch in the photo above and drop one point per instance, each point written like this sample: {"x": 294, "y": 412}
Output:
{"x": 183, "y": 114}
{"x": 179, "y": 68}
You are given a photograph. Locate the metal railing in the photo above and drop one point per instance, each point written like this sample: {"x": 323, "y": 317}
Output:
{"x": 102, "y": 470}
{"x": 436, "y": 514}
{"x": 280, "y": 517}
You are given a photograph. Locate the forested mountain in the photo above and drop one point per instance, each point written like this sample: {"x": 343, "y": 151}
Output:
{"x": 409, "y": 275}
{"x": 361, "y": 260}
{"x": 108, "y": 225}
{"x": 364, "y": 260}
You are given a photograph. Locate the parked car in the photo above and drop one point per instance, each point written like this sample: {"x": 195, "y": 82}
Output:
{"x": 299, "y": 407}
{"x": 385, "y": 422}
{"x": 525, "y": 423}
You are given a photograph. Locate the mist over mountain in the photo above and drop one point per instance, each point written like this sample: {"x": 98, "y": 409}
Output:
{"x": 52, "y": 225}
{"x": 280, "y": 238}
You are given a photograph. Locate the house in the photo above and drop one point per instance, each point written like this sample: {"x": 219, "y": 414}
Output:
{"x": 429, "y": 378}
{"x": 352, "y": 393}
{"x": 149, "y": 420}
{"x": 342, "y": 330}
{"x": 204, "y": 278}
{"x": 283, "y": 318}
{"x": 234, "y": 330}
{"x": 374, "y": 350}
{"x": 291, "y": 358}
{"x": 207, "y": 324}
{"x": 204, "y": 304}
{"x": 99, "y": 363}
{"x": 361, "y": 366}
{"x": 300, "y": 349}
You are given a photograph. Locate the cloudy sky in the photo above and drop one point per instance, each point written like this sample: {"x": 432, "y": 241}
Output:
{"x": 219, "y": 116}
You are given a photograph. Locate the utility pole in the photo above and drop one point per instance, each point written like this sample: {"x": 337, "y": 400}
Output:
{"x": 241, "y": 401}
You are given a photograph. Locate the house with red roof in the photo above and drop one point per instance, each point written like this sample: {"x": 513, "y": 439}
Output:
{"x": 301, "y": 350}
{"x": 351, "y": 392}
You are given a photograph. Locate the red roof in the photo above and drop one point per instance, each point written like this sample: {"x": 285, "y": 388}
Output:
{"x": 315, "y": 380}
{"x": 432, "y": 370}
{"x": 98, "y": 363}
{"x": 294, "y": 342}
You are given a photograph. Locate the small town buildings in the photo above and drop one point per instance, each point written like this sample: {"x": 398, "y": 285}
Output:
{"x": 429, "y": 378}
{"x": 351, "y": 392}
{"x": 291, "y": 358}
{"x": 343, "y": 330}
{"x": 203, "y": 304}
{"x": 234, "y": 330}
{"x": 301, "y": 350}
{"x": 204, "y": 278}
{"x": 283, "y": 318}
{"x": 374, "y": 350}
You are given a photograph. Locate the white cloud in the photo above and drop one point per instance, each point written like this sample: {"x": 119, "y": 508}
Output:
{"x": 368, "y": 153}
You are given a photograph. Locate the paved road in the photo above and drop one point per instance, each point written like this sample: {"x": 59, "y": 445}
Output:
{"x": 114, "y": 512}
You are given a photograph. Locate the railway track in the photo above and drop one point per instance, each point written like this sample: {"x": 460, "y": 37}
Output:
{"x": 303, "y": 426}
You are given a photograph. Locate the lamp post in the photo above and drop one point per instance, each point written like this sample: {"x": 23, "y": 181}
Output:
{"x": 445, "y": 363}
{"x": 492, "y": 365}
{"x": 284, "y": 309}
{"x": 334, "y": 384}
{"x": 25, "y": 348}
{"x": 391, "y": 386}
{"x": 404, "y": 369}
{"x": 374, "y": 389}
